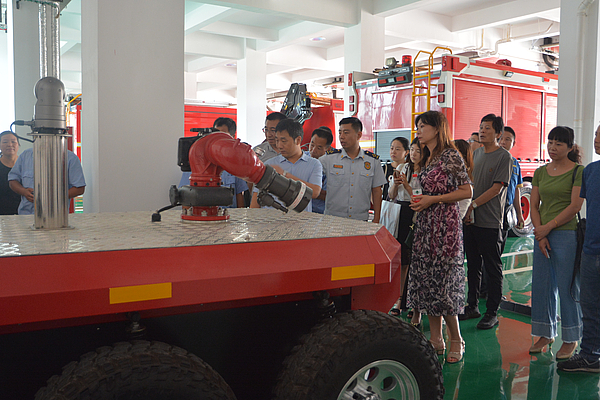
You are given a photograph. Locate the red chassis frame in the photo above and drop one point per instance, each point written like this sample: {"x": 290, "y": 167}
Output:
{"x": 55, "y": 290}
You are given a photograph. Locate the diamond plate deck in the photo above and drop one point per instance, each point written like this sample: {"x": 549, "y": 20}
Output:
{"x": 134, "y": 230}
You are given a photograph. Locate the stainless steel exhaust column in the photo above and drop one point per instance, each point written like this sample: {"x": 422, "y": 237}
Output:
{"x": 50, "y": 154}
{"x": 50, "y": 181}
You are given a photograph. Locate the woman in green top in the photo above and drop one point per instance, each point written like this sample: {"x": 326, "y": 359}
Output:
{"x": 554, "y": 203}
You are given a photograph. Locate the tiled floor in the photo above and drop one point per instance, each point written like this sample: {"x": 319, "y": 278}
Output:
{"x": 497, "y": 364}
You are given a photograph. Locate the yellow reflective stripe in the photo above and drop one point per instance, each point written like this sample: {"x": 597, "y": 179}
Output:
{"x": 128, "y": 294}
{"x": 352, "y": 272}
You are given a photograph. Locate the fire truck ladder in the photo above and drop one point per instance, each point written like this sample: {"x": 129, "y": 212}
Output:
{"x": 425, "y": 72}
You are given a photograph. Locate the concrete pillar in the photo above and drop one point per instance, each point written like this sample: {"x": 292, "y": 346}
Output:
{"x": 7, "y": 95}
{"x": 133, "y": 90}
{"x": 363, "y": 47}
{"x": 569, "y": 61}
{"x": 252, "y": 95}
{"x": 24, "y": 52}
{"x": 191, "y": 89}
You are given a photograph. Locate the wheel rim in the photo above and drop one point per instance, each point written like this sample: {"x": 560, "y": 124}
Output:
{"x": 381, "y": 380}
{"x": 526, "y": 209}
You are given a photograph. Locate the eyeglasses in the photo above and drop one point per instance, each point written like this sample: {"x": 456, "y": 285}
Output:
{"x": 272, "y": 130}
{"x": 473, "y": 141}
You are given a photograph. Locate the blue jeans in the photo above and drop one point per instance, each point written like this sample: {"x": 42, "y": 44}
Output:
{"x": 590, "y": 306}
{"x": 552, "y": 277}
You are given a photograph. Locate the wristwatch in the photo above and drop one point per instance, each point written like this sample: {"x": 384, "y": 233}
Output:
{"x": 284, "y": 174}
{"x": 474, "y": 205}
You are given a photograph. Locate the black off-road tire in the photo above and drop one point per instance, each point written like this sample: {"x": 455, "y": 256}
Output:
{"x": 358, "y": 352}
{"x": 137, "y": 370}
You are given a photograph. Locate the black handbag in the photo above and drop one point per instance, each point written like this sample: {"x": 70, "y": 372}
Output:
{"x": 581, "y": 223}
{"x": 580, "y": 231}
{"x": 408, "y": 242}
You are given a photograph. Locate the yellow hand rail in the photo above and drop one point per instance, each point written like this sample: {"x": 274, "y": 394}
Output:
{"x": 427, "y": 93}
{"x": 69, "y": 107}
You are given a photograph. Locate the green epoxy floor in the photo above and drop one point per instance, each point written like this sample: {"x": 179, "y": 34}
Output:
{"x": 497, "y": 363}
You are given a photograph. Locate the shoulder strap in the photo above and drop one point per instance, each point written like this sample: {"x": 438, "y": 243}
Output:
{"x": 371, "y": 154}
{"x": 575, "y": 172}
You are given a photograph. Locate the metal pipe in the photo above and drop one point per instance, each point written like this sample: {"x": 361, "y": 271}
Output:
{"x": 55, "y": 42}
{"x": 510, "y": 38}
{"x": 579, "y": 71}
{"x": 49, "y": 66}
{"x": 43, "y": 38}
{"x": 476, "y": 48}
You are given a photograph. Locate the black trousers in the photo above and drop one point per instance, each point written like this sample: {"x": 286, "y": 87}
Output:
{"x": 504, "y": 236}
{"x": 483, "y": 249}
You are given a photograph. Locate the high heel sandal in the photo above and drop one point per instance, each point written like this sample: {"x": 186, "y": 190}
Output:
{"x": 417, "y": 325}
{"x": 439, "y": 347}
{"x": 540, "y": 345}
{"x": 396, "y": 310}
{"x": 457, "y": 355}
{"x": 565, "y": 355}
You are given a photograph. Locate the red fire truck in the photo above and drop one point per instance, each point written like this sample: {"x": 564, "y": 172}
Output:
{"x": 464, "y": 90}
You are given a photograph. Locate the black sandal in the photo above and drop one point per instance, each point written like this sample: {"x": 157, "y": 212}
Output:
{"x": 410, "y": 314}
{"x": 395, "y": 312}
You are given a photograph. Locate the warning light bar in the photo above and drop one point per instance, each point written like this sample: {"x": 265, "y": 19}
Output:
{"x": 395, "y": 76}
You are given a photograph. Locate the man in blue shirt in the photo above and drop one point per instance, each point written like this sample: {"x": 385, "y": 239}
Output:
{"x": 513, "y": 191}
{"x": 21, "y": 179}
{"x": 320, "y": 143}
{"x": 588, "y": 359}
{"x": 292, "y": 162}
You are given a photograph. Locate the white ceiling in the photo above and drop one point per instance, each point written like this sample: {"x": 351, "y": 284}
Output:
{"x": 218, "y": 32}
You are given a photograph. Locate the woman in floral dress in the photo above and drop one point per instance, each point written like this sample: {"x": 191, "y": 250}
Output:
{"x": 437, "y": 279}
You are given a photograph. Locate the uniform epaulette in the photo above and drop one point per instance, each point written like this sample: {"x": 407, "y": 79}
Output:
{"x": 333, "y": 151}
{"x": 375, "y": 156}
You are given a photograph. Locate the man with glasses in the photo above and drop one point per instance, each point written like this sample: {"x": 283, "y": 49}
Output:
{"x": 268, "y": 148}
{"x": 292, "y": 162}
